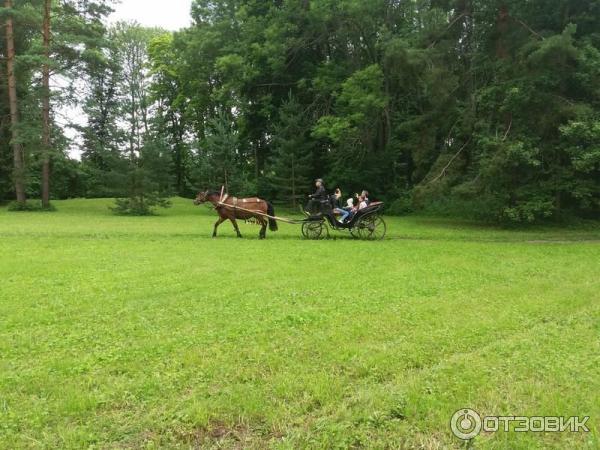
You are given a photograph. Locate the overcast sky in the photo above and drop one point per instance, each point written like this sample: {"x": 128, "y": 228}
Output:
{"x": 168, "y": 14}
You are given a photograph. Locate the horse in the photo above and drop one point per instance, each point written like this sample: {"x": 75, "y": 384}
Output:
{"x": 239, "y": 208}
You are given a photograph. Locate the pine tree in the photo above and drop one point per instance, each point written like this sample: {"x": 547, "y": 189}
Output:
{"x": 18, "y": 157}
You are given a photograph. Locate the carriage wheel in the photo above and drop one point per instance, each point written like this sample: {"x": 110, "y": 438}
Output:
{"x": 314, "y": 230}
{"x": 372, "y": 227}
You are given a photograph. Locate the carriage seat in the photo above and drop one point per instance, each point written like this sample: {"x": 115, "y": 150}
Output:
{"x": 370, "y": 207}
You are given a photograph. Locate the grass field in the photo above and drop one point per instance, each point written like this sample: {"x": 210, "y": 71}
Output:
{"x": 143, "y": 332}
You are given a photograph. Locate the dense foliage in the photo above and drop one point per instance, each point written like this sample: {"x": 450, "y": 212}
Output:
{"x": 486, "y": 108}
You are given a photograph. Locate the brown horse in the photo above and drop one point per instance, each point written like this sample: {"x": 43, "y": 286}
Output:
{"x": 232, "y": 208}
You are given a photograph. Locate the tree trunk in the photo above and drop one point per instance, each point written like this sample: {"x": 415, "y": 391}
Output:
{"x": 256, "y": 168}
{"x": 293, "y": 182}
{"x": 132, "y": 133}
{"x": 46, "y": 107}
{"x": 502, "y": 29}
{"x": 19, "y": 163}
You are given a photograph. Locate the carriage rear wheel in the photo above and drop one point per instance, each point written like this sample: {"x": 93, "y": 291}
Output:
{"x": 314, "y": 229}
{"x": 370, "y": 227}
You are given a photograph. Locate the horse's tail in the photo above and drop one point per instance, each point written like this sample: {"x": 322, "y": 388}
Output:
{"x": 271, "y": 212}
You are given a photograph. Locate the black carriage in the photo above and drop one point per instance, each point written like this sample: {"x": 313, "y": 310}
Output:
{"x": 366, "y": 223}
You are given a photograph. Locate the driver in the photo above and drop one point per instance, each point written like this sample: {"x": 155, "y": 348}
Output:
{"x": 315, "y": 199}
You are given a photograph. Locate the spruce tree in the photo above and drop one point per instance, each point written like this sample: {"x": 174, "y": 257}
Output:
{"x": 221, "y": 150}
{"x": 146, "y": 180}
{"x": 291, "y": 162}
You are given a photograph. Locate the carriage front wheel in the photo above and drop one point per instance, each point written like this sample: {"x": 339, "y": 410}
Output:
{"x": 370, "y": 227}
{"x": 314, "y": 229}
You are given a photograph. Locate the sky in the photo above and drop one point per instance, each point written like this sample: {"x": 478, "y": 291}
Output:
{"x": 169, "y": 14}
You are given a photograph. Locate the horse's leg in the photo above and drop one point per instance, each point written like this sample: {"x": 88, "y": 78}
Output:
{"x": 235, "y": 226}
{"x": 264, "y": 222}
{"x": 263, "y": 228}
{"x": 217, "y": 223}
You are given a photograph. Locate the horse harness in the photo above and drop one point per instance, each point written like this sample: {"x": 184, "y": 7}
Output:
{"x": 235, "y": 201}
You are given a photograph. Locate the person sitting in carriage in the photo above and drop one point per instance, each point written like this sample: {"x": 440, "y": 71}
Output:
{"x": 361, "y": 203}
{"x": 314, "y": 204}
{"x": 363, "y": 199}
{"x": 337, "y": 207}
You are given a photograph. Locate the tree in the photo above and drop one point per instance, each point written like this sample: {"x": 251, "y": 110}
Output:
{"x": 137, "y": 160}
{"x": 355, "y": 130}
{"x": 132, "y": 41}
{"x": 220, "y": 150}
{"x": 18, "y": 156}
{"x": 46, "y": 126}
{"x": 102, "y": 136}
{"x": 147, "y": 181}
{"x": 72, "y": 34}
{"x": 36, "y": 57}
{"x": 291, "y": 162}
{"x": 166, "y": 92}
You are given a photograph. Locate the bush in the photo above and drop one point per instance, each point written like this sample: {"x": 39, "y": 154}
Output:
{"x": 29, "y": 206}
{"x": 483, "y": 208}
{"x": 402, "y": 205}
{"x": 536, "y": 210}
{"x": 139, "y": 205}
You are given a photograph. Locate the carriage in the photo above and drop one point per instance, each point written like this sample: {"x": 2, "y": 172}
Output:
{"x": 366, "y": 223}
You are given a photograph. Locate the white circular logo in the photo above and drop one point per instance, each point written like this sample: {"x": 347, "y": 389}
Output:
{"x": 465, "y": 423}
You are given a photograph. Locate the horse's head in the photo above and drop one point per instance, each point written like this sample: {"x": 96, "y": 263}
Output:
{"x": 202, "y": 197}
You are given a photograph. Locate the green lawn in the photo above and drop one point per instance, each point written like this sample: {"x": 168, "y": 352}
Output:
{"x": 143, "y": 332}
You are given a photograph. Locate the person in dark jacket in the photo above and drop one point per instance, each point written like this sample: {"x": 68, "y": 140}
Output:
{"x": 337, "y": 206}
{"x": 313, "y": 205}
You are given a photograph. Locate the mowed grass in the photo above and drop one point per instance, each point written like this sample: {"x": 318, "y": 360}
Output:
{"x": 143, "y": 332}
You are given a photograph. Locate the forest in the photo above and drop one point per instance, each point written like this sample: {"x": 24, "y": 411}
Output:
{"x": 484, "y": 109}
